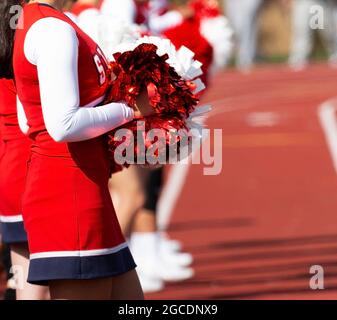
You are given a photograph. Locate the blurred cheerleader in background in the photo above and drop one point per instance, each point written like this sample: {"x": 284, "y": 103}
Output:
{"x": 198, "y": 25}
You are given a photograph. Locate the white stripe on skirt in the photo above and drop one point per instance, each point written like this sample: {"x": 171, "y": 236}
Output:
{"x": 84, "y": 253}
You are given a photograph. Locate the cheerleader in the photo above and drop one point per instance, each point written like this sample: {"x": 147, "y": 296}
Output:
{"x": 75, "y": 241}
{"x": 13, "y": 162}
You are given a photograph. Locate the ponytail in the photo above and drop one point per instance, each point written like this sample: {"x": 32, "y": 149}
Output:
{"x": 8, "y": 20}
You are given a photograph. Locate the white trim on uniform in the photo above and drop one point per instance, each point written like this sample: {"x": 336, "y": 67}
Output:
{"x": 84, "y": 253}
{"x": 11, "y": 219}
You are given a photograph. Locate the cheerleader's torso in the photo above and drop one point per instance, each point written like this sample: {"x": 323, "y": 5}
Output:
{"x": 92, "y": 77}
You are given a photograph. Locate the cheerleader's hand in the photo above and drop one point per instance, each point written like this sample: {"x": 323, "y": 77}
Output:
{"x": 143, "y": 107}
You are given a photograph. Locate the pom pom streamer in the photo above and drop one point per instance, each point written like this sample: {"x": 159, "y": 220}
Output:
{"x": 171, "y": 80}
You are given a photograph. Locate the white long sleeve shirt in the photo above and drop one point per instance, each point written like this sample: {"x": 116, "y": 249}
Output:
{"x": 52, "y": 46}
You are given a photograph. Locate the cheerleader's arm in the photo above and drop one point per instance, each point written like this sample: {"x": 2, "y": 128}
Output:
{"x": 52, "y": 45}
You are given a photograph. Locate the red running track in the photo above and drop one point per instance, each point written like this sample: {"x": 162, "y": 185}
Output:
{"x": 257, "y": 228}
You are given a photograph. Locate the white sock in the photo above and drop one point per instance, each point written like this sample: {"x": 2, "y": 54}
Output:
{"x": 145, "y": 243}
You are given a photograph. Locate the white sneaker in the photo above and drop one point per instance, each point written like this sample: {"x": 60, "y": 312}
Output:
{"x": 176, "y": 258}
{"x": 169, "y": 253}
{"x": 150, "y": 284}
{"x": 145, "y": 248}
{"x": 169, "y": 244}
{"x": 173, "y": 273}
{"x": 154, "y": 271}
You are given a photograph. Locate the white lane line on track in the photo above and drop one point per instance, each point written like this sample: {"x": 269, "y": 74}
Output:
{"x": 327, "y": 116}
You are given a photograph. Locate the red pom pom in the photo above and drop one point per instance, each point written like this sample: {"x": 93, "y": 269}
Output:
{"x": 169, "y": 94}
{"x": 144, "y": 68}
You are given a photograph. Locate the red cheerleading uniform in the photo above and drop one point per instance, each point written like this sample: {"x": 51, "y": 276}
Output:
{"x": 72, "y": 228}
{"x": 13, "y": 166}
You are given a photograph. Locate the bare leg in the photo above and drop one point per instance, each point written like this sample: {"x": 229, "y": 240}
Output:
{"x": 20, "y": 264}
{"x": 145, "y": 221}
{"x": 97, "y": 289}
{"x": 125, "y": 286}
{"x": 128, "y": 196}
